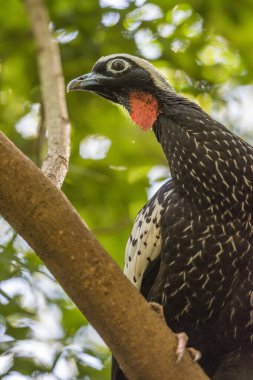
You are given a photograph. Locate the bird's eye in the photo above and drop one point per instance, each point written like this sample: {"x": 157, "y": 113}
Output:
{"x": 118, "y": 65}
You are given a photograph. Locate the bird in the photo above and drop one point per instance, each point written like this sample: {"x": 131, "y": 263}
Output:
{"x": 191, "y": 246}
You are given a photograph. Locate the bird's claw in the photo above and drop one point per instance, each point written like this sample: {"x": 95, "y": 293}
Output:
{"x": 181, "y": 347}
{"x": 195, "y": 354}
{"x": 182, "y": 338}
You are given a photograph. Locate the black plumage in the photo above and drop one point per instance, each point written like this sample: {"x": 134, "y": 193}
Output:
{"x": 191, "y": 248}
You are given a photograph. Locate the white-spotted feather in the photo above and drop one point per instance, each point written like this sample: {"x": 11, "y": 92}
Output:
{"x": 144, "y": 244}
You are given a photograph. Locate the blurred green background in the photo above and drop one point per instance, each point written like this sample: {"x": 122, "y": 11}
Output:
{"x": 205, "y": 50}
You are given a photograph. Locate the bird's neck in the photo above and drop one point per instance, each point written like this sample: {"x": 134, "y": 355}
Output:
{"x": 211, "y": 167}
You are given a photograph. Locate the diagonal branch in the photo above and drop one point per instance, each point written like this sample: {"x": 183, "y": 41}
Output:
{"x": 57, "y": 123}
{"x": 41, "y": 214}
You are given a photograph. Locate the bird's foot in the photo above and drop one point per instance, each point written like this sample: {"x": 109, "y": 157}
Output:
{"x": 182, "y": 338}
{"x": 181, "y": 347}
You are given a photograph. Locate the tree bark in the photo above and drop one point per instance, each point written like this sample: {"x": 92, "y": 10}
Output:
{"x": 41, "y": 214}
{"x": 55, "y": 165}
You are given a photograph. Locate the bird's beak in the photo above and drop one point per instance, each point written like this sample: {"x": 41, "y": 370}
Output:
{"x": 87, "y": 82}
{"x": 94, "y": 82}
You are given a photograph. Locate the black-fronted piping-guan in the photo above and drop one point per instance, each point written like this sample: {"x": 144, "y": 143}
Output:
{"x": 191, "y": 247}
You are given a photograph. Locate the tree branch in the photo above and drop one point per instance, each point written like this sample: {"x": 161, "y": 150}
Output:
{"x": 57, "y": 123}
{"x": 42, "y": 215}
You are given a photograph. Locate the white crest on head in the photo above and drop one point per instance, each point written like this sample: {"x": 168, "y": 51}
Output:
{"x": 159, "y": 80}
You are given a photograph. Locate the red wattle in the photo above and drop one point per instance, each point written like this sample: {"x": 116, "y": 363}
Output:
{"x": 143, "y": 109}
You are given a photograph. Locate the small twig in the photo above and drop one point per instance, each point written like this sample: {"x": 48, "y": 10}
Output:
{"x": 55, "y": 165}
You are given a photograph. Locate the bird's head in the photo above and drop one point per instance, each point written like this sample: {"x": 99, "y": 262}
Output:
{"x": 129, "y": 81}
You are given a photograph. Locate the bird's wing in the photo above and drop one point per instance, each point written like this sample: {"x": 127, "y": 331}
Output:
{"x": 144, "y": 244}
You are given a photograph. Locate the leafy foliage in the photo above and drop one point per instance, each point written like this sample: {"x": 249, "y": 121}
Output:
{"x": 203, "y": 48}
